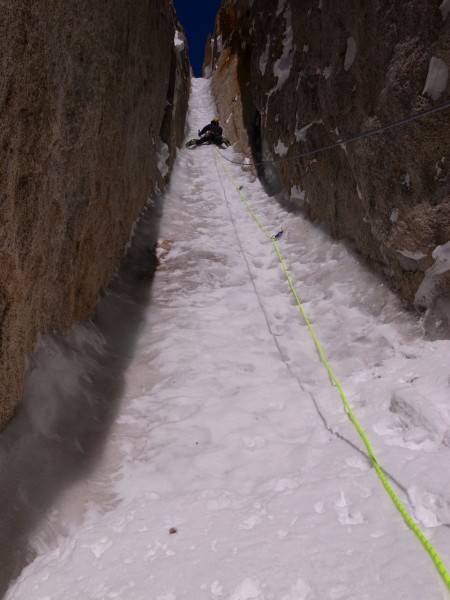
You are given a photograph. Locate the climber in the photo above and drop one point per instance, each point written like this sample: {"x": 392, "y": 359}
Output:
{"x": 210, "y": 133}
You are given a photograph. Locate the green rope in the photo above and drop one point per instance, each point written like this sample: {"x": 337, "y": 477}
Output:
{"x": 398, "y": 503}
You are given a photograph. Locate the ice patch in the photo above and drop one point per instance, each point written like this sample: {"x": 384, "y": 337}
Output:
{"x": 281, "y": 149}
{"x": 427, "y": 289}
{"x": 282, "y": 66}
{"x": 445, "y": 9}
{"x": 437, "y": 78}
{"x": 300, "y": 134}
{"x": 280, "y": 8}
{"x": 264, "y": 57}
{"x": 298, "y": 194}
{"x": 406, "y": 180}
{"x": 162, "y": 157}
{"x": 178, "y": 42}
{"x": 395, "y": 215}
{"x": 350, "y": 54}
{"x": 412, "y": 255}
{"x": 439, "y": 170}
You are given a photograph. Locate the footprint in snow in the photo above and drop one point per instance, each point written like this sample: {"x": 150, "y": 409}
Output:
{"x": 300, "y": 591}
{"x": 345, "y": 516}
{"x": 248, "y": 589}
{"x": 431, "y": 510}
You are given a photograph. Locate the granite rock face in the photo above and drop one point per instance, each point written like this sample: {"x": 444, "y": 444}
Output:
{"x": 291, "y": 77}
{"x": 93, "y": 98}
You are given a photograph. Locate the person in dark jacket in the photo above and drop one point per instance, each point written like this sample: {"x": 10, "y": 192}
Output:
{"x": 210, "y": 133}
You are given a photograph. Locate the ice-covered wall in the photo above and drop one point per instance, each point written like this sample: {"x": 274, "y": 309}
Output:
{"x": 291, "y": 77}
{"x": 93, "y": 98}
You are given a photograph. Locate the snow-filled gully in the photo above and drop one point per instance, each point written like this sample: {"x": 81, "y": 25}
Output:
{"x": 231, "y": 470}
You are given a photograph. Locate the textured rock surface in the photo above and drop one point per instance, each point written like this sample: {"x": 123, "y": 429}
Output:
{"x": 300, "y": 75}
{"x": 93, "y": 98}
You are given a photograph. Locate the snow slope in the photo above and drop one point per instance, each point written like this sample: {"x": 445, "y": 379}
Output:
{"x": 232, "y": 471}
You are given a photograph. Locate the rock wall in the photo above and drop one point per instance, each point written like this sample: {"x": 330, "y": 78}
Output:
{"x": 297, "y": 76}
{"x": 93, "y": 98}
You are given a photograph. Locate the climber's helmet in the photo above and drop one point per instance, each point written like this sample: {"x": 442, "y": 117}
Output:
{"x": 215, "y": 120}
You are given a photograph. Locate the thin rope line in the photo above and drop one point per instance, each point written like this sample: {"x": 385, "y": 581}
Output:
{"x": 269, "y": 327}
{"x": 419, "y": 115}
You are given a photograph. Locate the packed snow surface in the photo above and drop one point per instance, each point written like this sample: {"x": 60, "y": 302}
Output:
{"x": 232, "y": 471}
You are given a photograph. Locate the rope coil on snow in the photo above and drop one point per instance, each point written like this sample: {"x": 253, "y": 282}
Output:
{"x": 381, "y": 474}
{"x": 360, "y": 136}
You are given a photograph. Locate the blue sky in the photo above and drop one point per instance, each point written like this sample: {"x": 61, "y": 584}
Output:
{"x": 197, "y": 18}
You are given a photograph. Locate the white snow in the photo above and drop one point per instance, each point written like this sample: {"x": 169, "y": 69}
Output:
{"x": 281, "y": 149}
{"x": 305, "y": 48}
{"x": 327, "y": 72}
{"x": 280, "y": 7}
{"x": 300, "y": 134}
{"x": 162, "y": 157}
{"x": 413, "y": 255}
{"x": 178, "y": 41}
{"x": 395, "y": 215}
{"x": 232, "y": 471}
{"x": 438, "y": 170}
{"x": 208, "y": 70}
{"x": 264, "y": 57}
{"x": 437, "y": 78}
{"x": 427, "y": 289}
{"x": 350, "y": 54}
{"x": 282, "y": 66}
{"x": 406, "y": 180}
{"x": 298, "y": 194}
{"x": 445, "y": 9}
